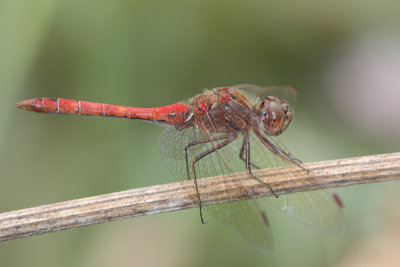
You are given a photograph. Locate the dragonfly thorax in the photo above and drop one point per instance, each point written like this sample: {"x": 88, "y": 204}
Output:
{"x": 222, "y": 110}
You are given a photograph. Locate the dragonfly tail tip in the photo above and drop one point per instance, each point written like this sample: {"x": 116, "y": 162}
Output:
{"x": 25, "y": 104}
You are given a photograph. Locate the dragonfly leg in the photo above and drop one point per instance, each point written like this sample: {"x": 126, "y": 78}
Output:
{"x": 246, "y": 143}
{"x": 241, "y": 155}
{"x": 199, "y": 142}
{"x": 202, "y": 155}
{"x": 278, "y": 151}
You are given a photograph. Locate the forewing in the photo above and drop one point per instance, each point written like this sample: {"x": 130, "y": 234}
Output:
{"x": 318, "y": 208}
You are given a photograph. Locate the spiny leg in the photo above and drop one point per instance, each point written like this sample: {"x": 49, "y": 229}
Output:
{"x": 278, "y": 151}
{"x": 199, "y": 157}
{"x": 198, "y": 142}
{"x": 193, "y": 143}
{"x": 246, "y": 142}
{"x": 242, "y": 152}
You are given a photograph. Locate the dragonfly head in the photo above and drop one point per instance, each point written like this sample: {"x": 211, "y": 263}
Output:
{"x": 275, "y": 115}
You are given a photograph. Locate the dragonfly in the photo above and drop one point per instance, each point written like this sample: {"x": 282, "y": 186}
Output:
{"x": 223, "y": 131}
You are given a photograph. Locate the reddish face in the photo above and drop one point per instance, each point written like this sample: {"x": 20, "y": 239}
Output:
{"x": 276, "y": 115}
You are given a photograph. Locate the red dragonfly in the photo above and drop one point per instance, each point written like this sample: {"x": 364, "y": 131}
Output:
{"x": 213, "y": 134}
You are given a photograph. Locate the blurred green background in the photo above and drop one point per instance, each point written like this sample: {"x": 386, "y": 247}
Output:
{"x": 343, "y": 57}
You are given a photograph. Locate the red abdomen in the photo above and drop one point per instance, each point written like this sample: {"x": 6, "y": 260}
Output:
{"x": 172, "y": 114}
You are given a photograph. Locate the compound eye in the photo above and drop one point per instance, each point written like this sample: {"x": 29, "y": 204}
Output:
{"x": 276, "y": 115}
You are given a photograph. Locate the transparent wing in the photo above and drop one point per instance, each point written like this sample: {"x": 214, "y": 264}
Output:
{"x": 318, "y": 208}
{"x": 246, "y": 217}
{"x": 286, "y": 93}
